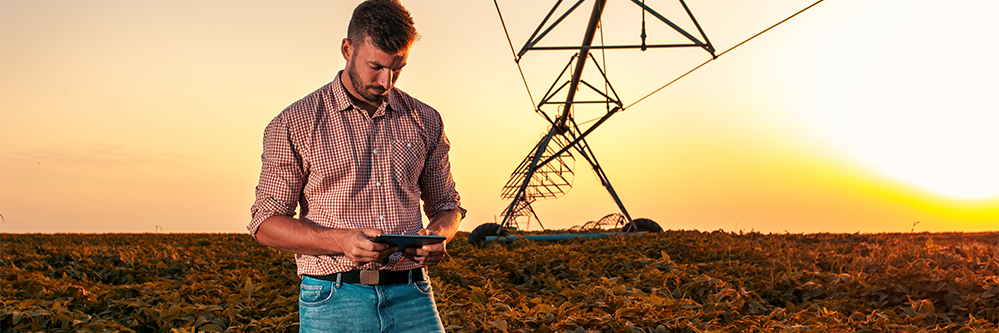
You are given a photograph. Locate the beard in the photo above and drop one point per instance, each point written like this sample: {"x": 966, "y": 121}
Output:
{"x": 361, "y": 89}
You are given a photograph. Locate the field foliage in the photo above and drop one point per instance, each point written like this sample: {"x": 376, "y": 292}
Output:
{"x": 675, "y": 281}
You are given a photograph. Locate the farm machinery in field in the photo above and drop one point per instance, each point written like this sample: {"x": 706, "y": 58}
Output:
{"x": 547, "y": 172}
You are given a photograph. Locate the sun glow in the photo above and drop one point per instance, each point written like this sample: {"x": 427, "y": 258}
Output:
{"x": 910, "y": 107}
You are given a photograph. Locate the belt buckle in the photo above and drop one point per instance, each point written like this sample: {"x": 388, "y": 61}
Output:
{"x": 369, "y": 277}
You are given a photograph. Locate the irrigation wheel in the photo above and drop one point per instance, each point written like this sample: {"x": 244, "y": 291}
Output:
{"x": 642, "y": 224}
{"x": 486, "y": 229}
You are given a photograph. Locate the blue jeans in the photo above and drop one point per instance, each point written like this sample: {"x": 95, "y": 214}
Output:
{"x": 325, "y": 306}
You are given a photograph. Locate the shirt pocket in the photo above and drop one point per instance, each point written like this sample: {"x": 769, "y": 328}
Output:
{"x": 408, "y": 157}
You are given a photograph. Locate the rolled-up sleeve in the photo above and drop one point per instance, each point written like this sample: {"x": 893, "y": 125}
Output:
{"x": 436, "y": 184}
{"x": 281, "y": 175}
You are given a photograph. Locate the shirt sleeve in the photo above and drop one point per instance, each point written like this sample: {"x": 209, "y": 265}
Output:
{"x": 436, "y": 184}
{"x": 281, "y": 175}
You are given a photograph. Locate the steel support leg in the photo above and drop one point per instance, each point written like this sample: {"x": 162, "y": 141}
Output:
{"x": 584, "y": 150}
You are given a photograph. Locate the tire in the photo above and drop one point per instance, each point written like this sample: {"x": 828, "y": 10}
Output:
{"x": 478, "y": 236}
{"x": 642, "y": 224}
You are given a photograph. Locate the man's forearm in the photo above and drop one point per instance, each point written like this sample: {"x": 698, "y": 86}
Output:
{"x": 445, "y": 223}
{"x": 288, "y": 234}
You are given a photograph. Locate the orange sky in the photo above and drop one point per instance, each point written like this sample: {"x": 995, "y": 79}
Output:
{"x": 121, "y": 116}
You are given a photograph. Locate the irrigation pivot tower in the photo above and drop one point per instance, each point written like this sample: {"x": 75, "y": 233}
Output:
{"x": 547, "y": 171}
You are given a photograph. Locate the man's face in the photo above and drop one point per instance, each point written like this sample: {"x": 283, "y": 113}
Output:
{"x": 372, "y": 72}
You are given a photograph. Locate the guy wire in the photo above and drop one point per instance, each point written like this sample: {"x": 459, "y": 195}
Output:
{"x": 515, "y": 58}
{"x": 721, "y": 54}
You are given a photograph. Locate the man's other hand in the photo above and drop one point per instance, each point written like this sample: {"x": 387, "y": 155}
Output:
{"x": 428, "y": 255}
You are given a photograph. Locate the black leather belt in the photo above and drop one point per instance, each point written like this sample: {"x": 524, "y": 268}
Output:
{"x": 374, "y": 277}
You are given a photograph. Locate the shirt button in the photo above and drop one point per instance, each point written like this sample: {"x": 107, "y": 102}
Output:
{"x": 378, "y": 183}
{"x": 375, "y": 151}
{"x": 409, "y": 144}
{"x": 381, "y": 217}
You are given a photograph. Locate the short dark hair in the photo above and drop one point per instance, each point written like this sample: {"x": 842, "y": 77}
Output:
{"x": 386, "y": 22}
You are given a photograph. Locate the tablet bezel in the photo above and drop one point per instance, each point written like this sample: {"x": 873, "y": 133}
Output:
{"x": 406, "y": 241}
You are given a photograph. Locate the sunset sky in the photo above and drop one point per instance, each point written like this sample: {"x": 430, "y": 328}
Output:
{"x": 857, "y": 115}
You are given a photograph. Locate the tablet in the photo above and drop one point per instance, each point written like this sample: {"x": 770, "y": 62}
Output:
{"x": 404, "y": 241}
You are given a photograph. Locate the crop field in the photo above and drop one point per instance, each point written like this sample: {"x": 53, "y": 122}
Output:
{"x": 675, "y": 281}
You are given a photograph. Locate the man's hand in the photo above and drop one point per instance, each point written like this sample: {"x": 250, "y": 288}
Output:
{"x": 428, "y": 255}
{"x": 358, "y": 247}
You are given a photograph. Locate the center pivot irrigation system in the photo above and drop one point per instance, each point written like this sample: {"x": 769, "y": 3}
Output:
{"x": 547, "y": 171}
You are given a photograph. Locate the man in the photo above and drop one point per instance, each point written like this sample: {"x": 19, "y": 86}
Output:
{"x": 358, "y": 155}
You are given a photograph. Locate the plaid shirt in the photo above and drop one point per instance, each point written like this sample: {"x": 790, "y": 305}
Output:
{"x": 348, "y": 170}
